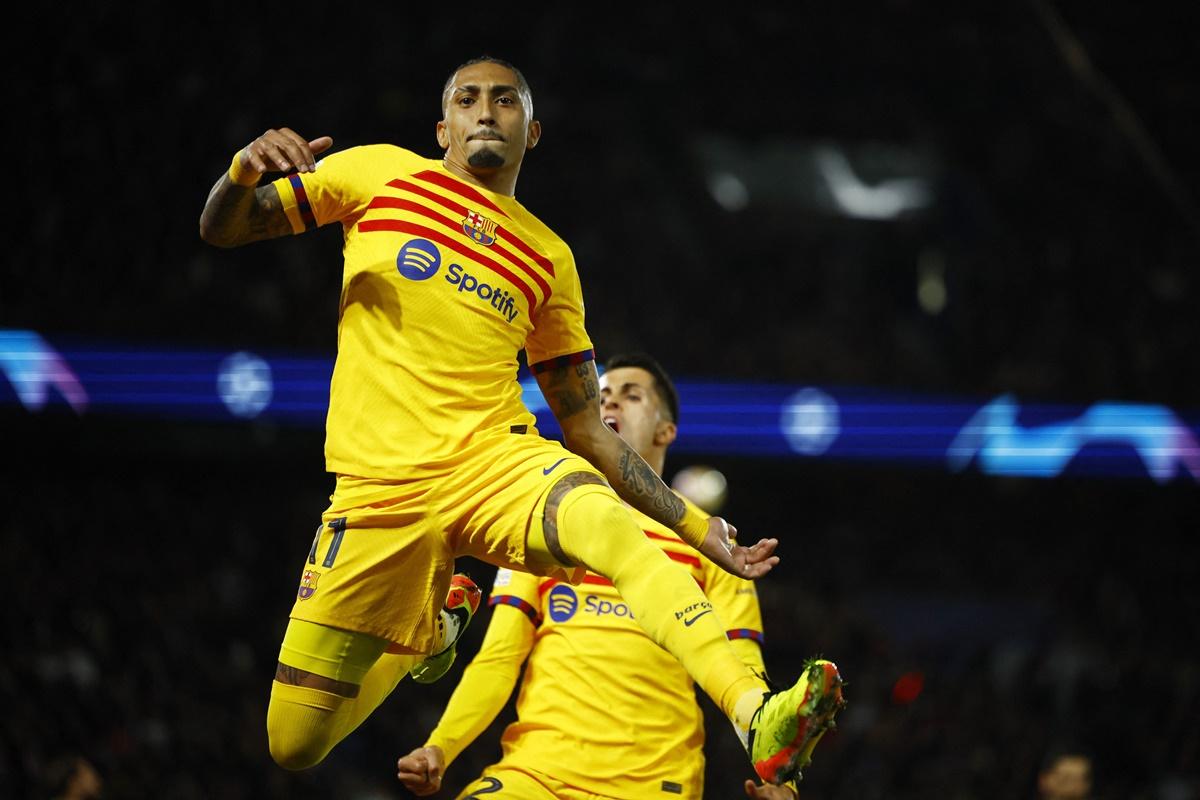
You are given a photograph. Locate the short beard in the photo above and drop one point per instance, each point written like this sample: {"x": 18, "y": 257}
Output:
{"x": 485, "y": 159}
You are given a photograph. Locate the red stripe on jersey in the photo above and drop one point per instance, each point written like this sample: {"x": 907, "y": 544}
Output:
{"x": 459, "y": 188}
{"x": 683, "y": 558}
{"x": 385, "y": 201}
{"x": 421, "y": 191}
{"x": 458, "y": 208}
{"x": 540, "y": 259}
{"x": 373, "y": 225}
{"x": 595, "y": 580}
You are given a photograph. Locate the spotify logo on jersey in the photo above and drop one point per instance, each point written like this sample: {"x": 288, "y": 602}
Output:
{"x": 418, "y": 260}
{"x": 563, "y": 602}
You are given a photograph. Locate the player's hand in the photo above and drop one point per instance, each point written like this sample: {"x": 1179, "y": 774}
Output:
{"x": 769, "y": 792}
{"x": 421, "y": 770}
{"x": 721, "y": 547}
{"x": 283, "y": 150}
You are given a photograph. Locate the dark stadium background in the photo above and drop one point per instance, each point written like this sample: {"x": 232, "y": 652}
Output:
{"x": 148, "y": 565}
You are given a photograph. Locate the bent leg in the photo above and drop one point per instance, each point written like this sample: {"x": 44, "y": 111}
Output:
{"x": 327, "y": 682}
{"x": 586, "y": 524}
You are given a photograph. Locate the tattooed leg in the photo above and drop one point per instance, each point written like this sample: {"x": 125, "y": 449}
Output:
{"x": 553, "y": 500}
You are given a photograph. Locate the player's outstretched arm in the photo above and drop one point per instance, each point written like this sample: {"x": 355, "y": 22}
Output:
{"x": 572, "y": 392}
{"x": 238, "y": 210}
{"x": 484, "y": 688}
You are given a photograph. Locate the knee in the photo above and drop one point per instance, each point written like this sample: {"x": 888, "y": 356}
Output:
{"x": 295, "y": 741}
{"x": 596, "y": 529}
{"x": 295, "y": 752}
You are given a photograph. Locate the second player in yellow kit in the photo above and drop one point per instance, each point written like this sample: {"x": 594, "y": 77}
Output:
{"x": 602, "y": 710}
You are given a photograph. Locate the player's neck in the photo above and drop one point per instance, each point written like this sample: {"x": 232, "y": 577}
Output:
{"x": 657, "y": 459}
{"x": 501, "y": 181}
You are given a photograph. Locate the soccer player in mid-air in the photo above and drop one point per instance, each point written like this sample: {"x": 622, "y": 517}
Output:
{"x": 583, "y": 726}
{"x": 446, "y": 279}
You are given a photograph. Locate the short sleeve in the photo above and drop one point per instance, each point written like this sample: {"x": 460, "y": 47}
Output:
{"x": 341, "y": 187}
{"x": 559, "y": 336}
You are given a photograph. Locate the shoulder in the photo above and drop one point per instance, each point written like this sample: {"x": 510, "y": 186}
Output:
{"x": 545, "y": 235}
{"x": 387, "y": 157}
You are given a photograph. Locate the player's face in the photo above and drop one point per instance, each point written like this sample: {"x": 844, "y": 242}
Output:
{"x": 630, "y": 406}
{"x": 486, "y": 127}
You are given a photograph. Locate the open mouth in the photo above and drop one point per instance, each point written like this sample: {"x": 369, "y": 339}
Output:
{"x": 613, "y": 423}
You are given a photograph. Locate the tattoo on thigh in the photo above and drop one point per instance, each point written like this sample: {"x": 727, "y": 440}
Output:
{"x": 565, "y": 484}
{"x": 294, "y": 676}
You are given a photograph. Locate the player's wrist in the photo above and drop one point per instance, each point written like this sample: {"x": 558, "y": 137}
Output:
{"x": 693, "y": 527}
{"x": 242, "y": 174}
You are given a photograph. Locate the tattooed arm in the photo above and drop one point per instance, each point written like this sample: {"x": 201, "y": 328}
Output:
{"x": 236, "y": 214}
{"x": 573, "y": 393}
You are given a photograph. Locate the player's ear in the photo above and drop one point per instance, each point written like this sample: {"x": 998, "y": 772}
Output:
{"x": 534, "y": 134}
{"x": 664, "y": 433}
{"x": 443, "y": 138}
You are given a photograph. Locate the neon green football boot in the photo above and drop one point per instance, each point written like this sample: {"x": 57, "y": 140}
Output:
{"x": 788, "y": 724}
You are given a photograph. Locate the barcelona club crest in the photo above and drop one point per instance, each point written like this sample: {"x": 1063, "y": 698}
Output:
{"x": 308, "y": 584}
{"x": 481, "y": 229}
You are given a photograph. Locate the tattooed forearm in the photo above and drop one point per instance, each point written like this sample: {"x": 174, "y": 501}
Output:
{"x": 571, "y": 391}
{"x": 235, "y": 215}
{"x": 641, "y": 487}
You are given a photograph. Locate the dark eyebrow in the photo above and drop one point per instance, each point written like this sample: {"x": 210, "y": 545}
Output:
{"x": 624, "y": 387}
{"x": 473, "y": 88}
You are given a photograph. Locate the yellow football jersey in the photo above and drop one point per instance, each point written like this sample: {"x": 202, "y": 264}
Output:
{"x": 601, "y": 706}
{"x": 444, "y": 284}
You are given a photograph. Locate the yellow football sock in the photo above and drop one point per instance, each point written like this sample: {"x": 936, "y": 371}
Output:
{"x": 597, "y": 531}
{"x": 304, "y": 724}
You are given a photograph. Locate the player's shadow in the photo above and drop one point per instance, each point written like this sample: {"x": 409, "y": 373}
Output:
{"x": 375, "y": 293}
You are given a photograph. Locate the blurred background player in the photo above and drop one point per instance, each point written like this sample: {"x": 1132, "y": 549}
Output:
{"x": 602, "y": 708}
{"x": 1065, "y": 774}
{"x": 72, "y": 777}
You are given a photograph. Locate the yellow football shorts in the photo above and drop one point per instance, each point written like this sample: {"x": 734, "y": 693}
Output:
{"x": 382, "y": 559}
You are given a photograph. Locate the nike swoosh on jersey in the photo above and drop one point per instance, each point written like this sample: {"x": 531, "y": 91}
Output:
{"x": 688, "y": 622}
{"x": 552, "y": 467}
